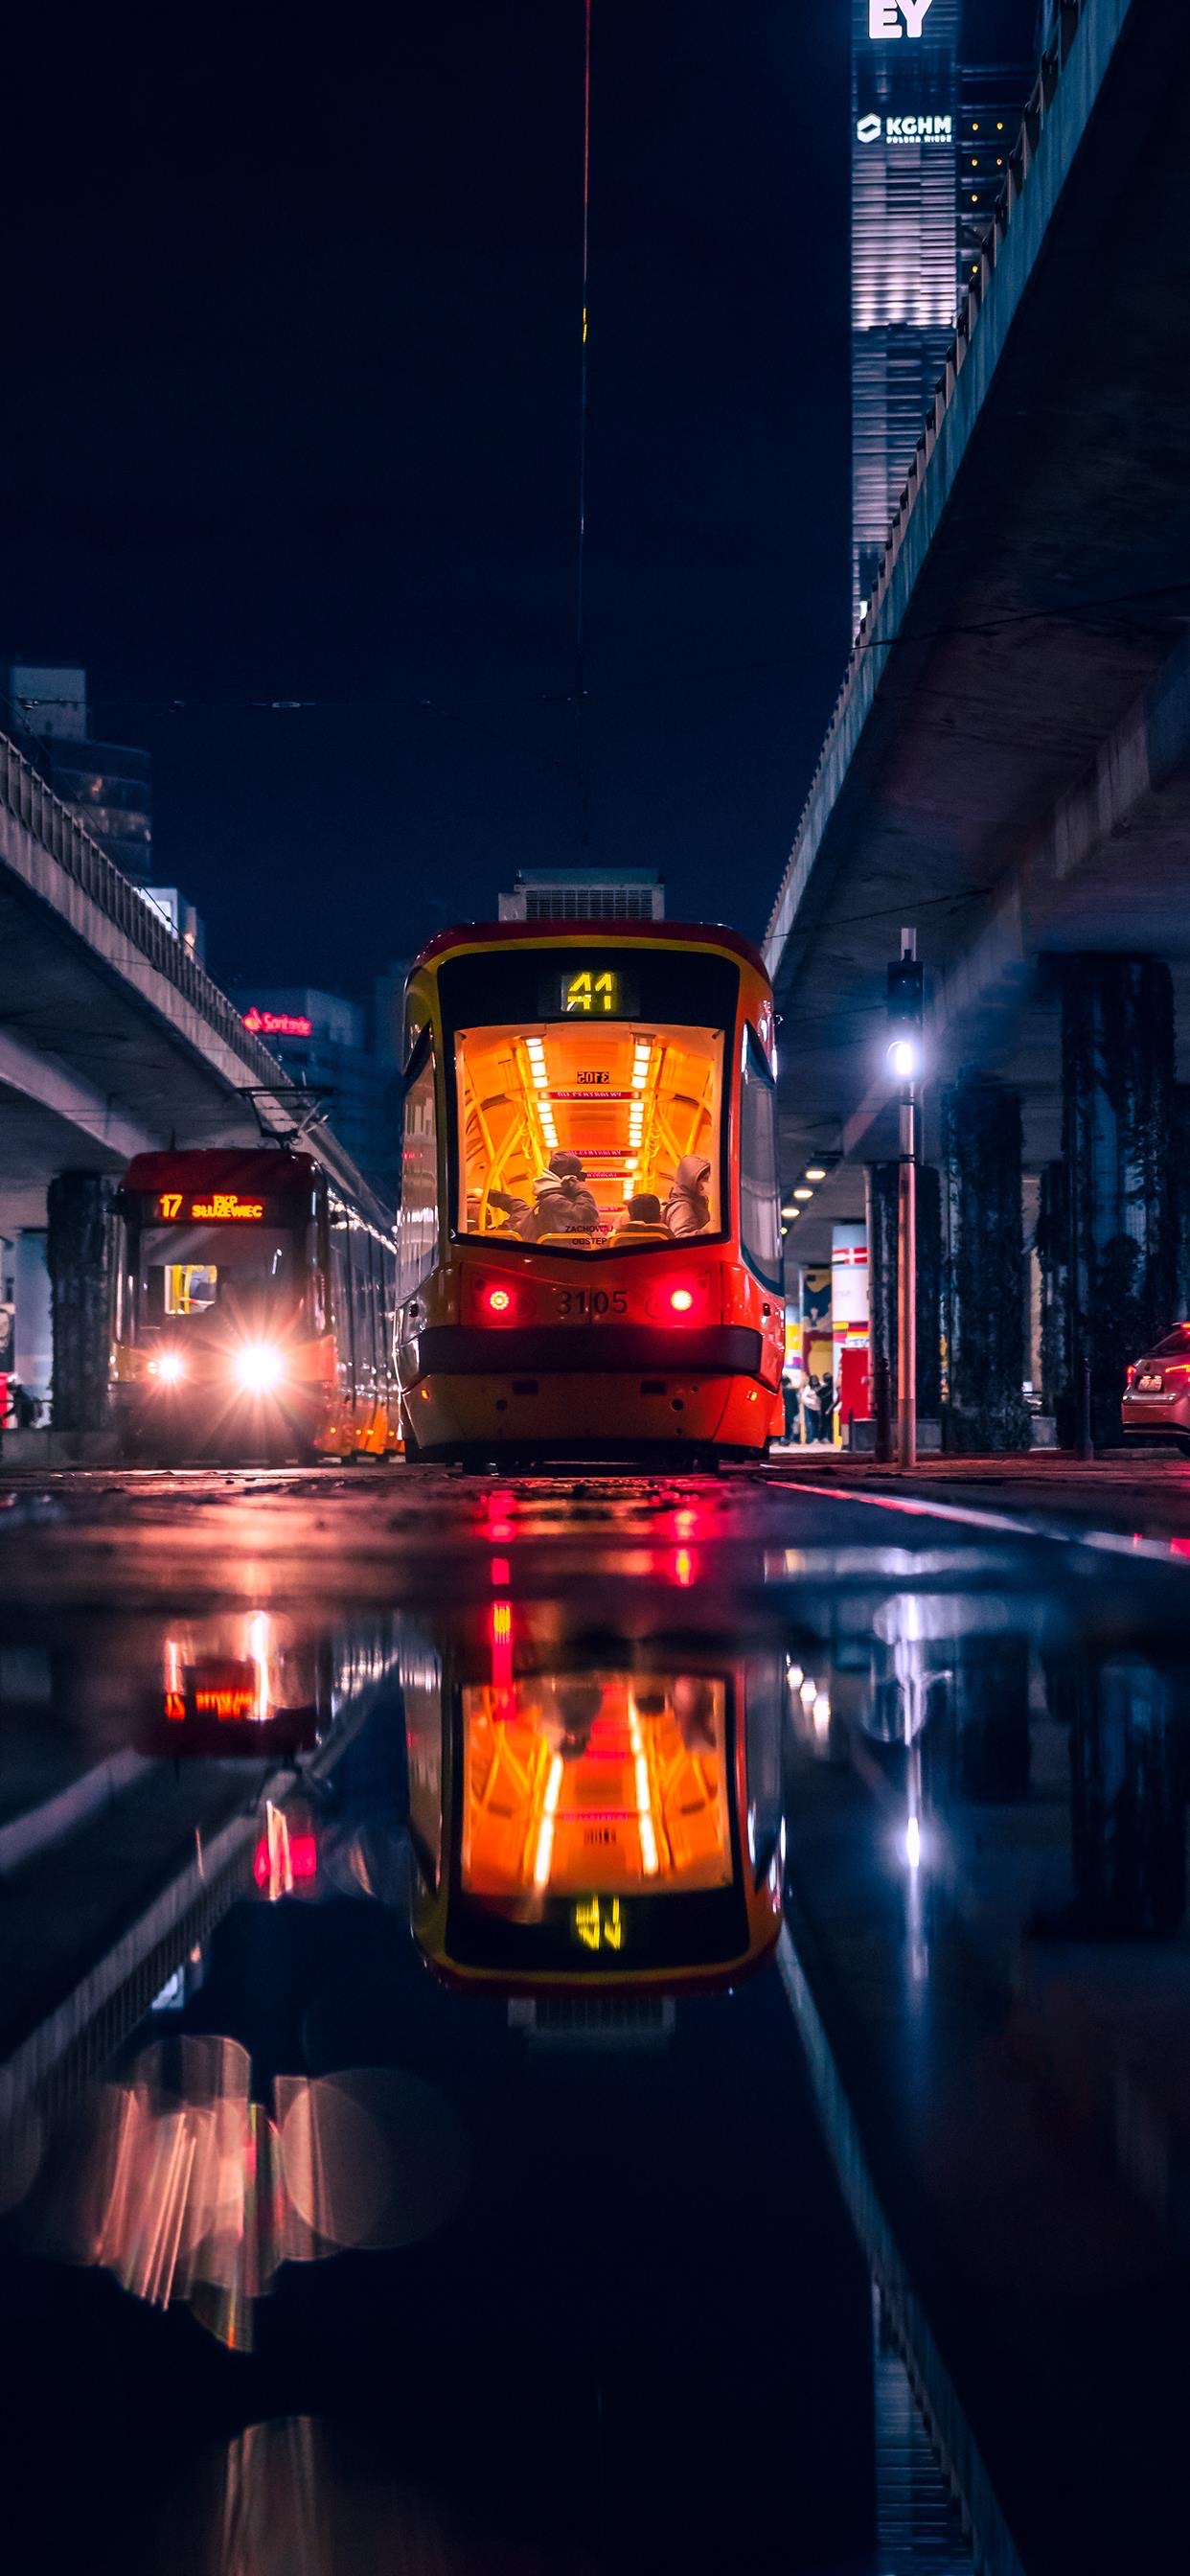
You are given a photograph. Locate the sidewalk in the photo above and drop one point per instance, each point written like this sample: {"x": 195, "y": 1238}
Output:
{"x": 1140, "y": 1492}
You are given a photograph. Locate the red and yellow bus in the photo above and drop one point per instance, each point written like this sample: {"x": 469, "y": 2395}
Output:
{"x": 590, "y": 1228}
{"x": 582, "y": 1824}
{"x": 254, "y": 1312}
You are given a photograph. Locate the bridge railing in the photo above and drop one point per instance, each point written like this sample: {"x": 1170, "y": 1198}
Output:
{"x": 25, "y": 796}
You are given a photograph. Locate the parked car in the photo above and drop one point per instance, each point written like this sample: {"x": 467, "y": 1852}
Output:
{"x": 1156, "y": 1403}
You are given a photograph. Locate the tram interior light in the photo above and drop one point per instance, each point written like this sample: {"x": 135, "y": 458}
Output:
{"x": 815, "y": 1171}
{"x": 803, "y": 1194}
{"x": 259, "y": 1366}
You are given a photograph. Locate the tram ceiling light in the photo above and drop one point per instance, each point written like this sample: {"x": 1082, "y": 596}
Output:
{"x": 259, "y": 1366}
{"x": 815, "y": 1171}
{"x": 803, "y": 1194}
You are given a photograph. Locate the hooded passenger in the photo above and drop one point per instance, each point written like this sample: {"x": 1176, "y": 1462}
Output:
{"x": 687, "y": 1209}
{"x": 560, "y": 1205}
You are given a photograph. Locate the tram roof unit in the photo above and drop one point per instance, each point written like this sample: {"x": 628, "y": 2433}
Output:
{"x": 618, "y": 934}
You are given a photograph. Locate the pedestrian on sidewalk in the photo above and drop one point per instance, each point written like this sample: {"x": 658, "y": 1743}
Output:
{"x": 811, "y": 1410}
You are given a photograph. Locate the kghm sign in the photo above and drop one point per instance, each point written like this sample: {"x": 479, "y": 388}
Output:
{"x": 896, "y": 18}
{"x": 905, "y": 129}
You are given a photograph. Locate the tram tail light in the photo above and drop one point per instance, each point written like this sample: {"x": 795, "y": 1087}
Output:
{"x": 502, "y": 1301}
{"x": 681, "y": 1300}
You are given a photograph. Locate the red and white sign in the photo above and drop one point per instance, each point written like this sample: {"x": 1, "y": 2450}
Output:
{"x": 277, "y": 1024}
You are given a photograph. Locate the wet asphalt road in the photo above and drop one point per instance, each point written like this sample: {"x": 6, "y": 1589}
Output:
{"x": 318, "y": 2259}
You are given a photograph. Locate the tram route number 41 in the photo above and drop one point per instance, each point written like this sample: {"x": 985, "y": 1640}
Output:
{"x": 591, "y": 992}
{"x": 579, "y": 1305}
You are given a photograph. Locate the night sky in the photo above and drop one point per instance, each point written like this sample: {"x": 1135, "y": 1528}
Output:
{"x": 291, "y": 413}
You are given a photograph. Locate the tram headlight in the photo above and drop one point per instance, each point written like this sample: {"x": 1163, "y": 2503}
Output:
{"x": 258, "y": 1367}
{"x": 169, "y": 1368}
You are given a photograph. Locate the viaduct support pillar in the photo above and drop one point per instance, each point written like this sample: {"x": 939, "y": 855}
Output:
{"x": 983, "y": 1278}
{"x": 1053, "y": 1255}
{"x": 1117, "y": 1136}
{"x": 881, "y": 1186}
{"x": 1180, "y": 1165}
{"x": 78, "y": 1254}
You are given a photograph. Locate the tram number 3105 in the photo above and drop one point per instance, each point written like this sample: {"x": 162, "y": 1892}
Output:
{"x": 579, "y": 1304}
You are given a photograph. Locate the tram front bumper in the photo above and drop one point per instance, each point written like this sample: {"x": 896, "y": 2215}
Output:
{"x": 615, "y": 1387}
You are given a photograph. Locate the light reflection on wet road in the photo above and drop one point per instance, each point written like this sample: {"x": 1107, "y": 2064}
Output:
{"x": 527, "y": 1997}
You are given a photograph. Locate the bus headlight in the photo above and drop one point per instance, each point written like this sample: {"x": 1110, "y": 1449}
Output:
{"x": 259, "y": 1366}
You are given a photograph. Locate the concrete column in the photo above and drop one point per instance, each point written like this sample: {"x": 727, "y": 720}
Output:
{"x": 1128, "y": 1796}
{"x": 1180, "y": 1164}
{"x": 1117, "y": 1130}
{"x": 983, "y": 1279}
{"x": 1053, "y": 1253}
{"x": 881, "y": 1195}
{"x": 78, "y": 1250}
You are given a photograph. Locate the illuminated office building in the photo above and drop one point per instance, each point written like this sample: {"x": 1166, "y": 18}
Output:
{"x": 937, "y": 90}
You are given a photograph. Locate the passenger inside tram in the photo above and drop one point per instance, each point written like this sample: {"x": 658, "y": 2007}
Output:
{"x": 588, "y": 1135}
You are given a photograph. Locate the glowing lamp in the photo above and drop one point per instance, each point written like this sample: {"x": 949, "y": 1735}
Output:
{"x": 904, "y": 1057}
{"x": 681, "y": 1299}
{"x": 498, "y": 1301}
{"x": 258, "y": 1367}
{"x": 169, "y": 1369}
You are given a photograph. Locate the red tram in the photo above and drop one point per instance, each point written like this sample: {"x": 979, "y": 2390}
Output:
{"x": 590, "y": 1226}
{"x": 254, "y": 1312}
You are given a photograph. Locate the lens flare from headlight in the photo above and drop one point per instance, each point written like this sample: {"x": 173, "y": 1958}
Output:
{"x": 258, "y": 1367}
{"x": 169, "y": 1368}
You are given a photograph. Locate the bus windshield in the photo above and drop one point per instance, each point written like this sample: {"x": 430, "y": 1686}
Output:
{"x": 589, "y": 1134}
{"x": 217, "y": 1274}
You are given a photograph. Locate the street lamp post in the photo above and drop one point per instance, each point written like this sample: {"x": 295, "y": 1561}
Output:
{"x": 905, "y": 1010}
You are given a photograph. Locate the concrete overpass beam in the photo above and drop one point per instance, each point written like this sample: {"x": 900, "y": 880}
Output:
{"x": 881, "y": 1184}
{"x": 1117, "y": 1134}
{"x": 983, "y": 1276}
{"x": 79, "y": 1252}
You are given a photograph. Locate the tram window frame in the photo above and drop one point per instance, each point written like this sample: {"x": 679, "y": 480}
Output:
{"x": 680, "y": 987}
{"x": 418, "y": 1257}
{"x": 341, "y": 1300}
{"x": 758, "y": 1090}
{"x": 357, "y": 1247}
{"x": 318, "y": 1257}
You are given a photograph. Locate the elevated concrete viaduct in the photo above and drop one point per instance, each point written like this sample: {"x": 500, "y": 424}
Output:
{"x": 1008, "y": 767}
{"x": 113, "y": 1040}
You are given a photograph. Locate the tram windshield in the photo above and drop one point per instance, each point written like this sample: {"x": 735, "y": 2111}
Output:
{"x": 590, "y": 1134}
{"x": 220, "y": 1274}
{"x": 606, "y": 1784}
